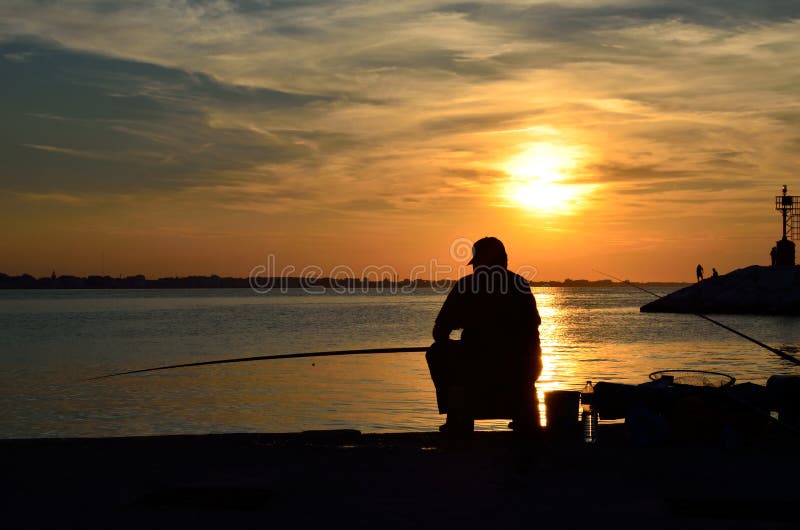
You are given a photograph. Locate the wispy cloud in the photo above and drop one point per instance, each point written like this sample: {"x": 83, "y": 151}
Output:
{"x": 70, "y": 152}
{"x": 64, "y": 198}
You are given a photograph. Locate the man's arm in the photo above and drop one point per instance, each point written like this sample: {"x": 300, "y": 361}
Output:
{"x": 448, "y": 318}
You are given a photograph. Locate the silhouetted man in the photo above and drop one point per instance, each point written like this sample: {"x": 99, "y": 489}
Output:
{"x": 714, "y": 273}
{"x": 699, "y": 272}
{"x": 492, "y": 370}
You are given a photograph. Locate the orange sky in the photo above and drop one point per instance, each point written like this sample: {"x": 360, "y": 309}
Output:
{"x": 636, "y": 138}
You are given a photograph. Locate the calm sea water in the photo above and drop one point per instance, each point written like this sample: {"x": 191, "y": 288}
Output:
{"x": 51, "y": 340}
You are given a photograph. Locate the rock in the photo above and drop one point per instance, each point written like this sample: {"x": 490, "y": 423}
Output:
{"x": 755, "y": 290}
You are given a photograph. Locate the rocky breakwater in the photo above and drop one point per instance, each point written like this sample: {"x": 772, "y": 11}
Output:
{"x": 752, "y": 290}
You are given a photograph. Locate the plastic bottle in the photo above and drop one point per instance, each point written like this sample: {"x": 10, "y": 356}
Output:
{"x": 589, "y": 414}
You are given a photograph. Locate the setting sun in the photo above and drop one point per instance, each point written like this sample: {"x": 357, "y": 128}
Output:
{"x": 537, "y": 178}
{"x": 543, "y": 196}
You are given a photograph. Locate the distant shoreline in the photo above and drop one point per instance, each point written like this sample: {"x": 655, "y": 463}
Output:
{"x": 26, "y": 281}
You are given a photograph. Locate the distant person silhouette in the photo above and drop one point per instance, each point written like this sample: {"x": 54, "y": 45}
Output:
{"x": 773, "y": 256}
{"x": 496, "y": 362}
{"x": 714, "y": 273}
{"x": 699, "y": 272}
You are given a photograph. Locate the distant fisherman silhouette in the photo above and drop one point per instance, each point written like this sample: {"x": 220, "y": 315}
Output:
{"x": 492, "y": 370}
{"x": 699, "y": 272}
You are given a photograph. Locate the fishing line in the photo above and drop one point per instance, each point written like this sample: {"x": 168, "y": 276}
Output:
{"x": 780, "y": 353}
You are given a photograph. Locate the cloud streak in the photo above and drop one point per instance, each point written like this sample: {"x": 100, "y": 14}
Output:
{"x": 80, "y": 121}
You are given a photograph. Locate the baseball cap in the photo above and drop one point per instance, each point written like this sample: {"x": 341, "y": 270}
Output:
{"x": 488, "y": 250}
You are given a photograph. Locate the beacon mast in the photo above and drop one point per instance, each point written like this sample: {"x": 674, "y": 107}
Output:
{"x": 782, "y": 253}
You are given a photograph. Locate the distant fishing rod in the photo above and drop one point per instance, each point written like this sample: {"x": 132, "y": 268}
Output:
{"x": 780, "y": 353}
{"x": 270, "y": 358}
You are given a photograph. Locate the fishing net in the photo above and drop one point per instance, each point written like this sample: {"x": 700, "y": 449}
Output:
{"x": 693, "y": 378}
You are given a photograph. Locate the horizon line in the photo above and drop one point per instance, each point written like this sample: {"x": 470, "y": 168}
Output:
{"x": 142, "y": 277}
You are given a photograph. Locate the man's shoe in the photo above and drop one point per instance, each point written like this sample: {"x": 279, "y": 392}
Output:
{"x": 457, "y": 428}
{"x": 524, "y": 427}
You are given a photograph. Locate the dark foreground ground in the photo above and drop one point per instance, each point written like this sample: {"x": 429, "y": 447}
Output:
{"x": 341, "y": 479}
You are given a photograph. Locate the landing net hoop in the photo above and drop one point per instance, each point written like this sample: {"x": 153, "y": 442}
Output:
{"x": 700, "y": 378}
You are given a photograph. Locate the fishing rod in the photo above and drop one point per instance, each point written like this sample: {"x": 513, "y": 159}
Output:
{"x": 414, "y": 349}
{"x": 780, "y": 353}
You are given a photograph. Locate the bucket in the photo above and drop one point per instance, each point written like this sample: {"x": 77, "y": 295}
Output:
{"x": 783, "y": 392}
{"x": 562, "y": 412}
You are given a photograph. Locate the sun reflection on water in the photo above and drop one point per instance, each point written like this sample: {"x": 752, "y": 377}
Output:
{"x": 555, "y": 343}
